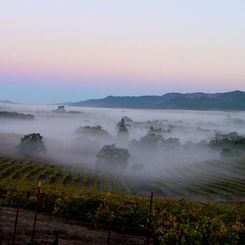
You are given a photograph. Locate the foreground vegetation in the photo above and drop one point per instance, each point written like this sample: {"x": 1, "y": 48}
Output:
{"x": 172, "y": 221}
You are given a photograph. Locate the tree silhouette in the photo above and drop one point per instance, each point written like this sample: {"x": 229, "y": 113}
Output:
{"x": 32, "y": 143}
{"x": 113, "y": 156}
{"x": 122, "y": 129}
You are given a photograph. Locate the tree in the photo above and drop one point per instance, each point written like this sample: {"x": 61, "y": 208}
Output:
{"x": 31, "y": 144}
{"x": 122, "y": 129}
{"x": 151, "y": 141}
{"x": 61, "y": 108}
{"x": 113, "y": 156}
{"x": 96, "y": 131}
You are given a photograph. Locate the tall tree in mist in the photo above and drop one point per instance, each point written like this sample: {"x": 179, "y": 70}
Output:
{"x": 122, "y": 129}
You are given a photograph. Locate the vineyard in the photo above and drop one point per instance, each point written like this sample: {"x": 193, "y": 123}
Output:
{"x": 85, "y": 197}
{"x": 217, "y": 180}
{"x": 23, "y": 170}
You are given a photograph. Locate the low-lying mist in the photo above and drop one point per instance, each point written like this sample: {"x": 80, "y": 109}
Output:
{"x": 162, "y": 144}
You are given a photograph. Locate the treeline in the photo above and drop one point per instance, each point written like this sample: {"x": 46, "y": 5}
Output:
{"x": 16, "y": 115}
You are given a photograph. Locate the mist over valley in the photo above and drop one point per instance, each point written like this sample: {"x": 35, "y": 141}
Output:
{"x": 175, "y": 153}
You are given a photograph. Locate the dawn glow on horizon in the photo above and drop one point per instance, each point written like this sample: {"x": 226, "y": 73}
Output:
{"x": 88, "y": 49}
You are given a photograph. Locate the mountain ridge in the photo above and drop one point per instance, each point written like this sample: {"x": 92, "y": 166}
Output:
{"x": 233, "y": 100}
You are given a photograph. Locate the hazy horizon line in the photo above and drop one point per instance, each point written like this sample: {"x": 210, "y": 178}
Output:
{"x": 113, "y": 95}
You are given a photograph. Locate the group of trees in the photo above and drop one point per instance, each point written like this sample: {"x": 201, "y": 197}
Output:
{"x": 154, "y": 140}
{"x": 96, "y": 131}
{"x": 16, "y": 115}
{"x": 111, "y": 155}
{"x": 231, "y": 139}
{"x": 230, "y": 144}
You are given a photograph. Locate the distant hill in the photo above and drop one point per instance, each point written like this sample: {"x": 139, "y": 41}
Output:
{"x": 234, "y": 100}
{"x": 7, "y": 102}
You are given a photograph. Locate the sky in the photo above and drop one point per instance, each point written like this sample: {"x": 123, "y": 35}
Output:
{"x": 71, "y": 50}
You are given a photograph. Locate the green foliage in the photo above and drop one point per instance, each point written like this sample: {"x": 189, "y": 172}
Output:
{"x": 25, "y": 170}
{"x": 172, "y": 222}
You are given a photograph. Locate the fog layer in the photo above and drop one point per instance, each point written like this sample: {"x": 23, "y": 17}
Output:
{"x": 182, "y": 153}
